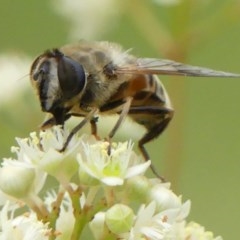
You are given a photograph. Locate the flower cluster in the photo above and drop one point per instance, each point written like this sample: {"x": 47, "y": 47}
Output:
{"x": 79, "y": 15}
{"x": 90, "y": 188}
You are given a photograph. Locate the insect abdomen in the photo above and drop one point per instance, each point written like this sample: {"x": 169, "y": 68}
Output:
{"x": 151, "y": 105}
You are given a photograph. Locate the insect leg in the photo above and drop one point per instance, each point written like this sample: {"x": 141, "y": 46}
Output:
{"x": 52, "y": 121}
{"x": 93, "y": 123}
{"x": 87, "y": 118}
{"x": 124, "y": 106}
{"x": 155, "y": 130}
{"x": 148, "y": 137}
{"x": 48, "y": 123}
{"x": 123, "y": 114}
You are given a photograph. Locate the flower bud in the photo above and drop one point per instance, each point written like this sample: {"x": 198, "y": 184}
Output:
{"x": 137, "y": 188}
{"x": 97, "y": 225}
{"x": 119, "y": 218}
{"x": 16, "y": 180}
{"x": 195, "y": 231}
{"x": 164, "y": 198}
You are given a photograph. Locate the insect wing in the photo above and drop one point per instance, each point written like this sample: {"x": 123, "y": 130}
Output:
{"x": 168, "y": 67}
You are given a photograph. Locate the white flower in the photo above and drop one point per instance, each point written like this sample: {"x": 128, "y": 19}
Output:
{"x": 195, "y": 231}
{"x": 23, "y": 227}
{"x": 148, "y": 225}
{"x": 12, "y": 69}
{"x": 154, "y": 222}
{"x": 115, "y": 168}
{"x": 43, "y": 152}
{"x": 164, "y": 197}
{"x": 20, "y": 180}
{"x": 90, "y": 18}
{"x": 111, "y": 169}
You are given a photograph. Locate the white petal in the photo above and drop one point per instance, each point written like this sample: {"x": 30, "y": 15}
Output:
{"x": 137, "y": 169}
{"x": 112, "y": 181}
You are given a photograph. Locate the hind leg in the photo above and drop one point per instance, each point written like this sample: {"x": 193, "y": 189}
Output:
{"x": 153, "y": 129}
{"x": 151, "y": 134}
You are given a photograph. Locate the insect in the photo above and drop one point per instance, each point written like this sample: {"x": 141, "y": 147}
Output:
{"x": 91, "y": 78}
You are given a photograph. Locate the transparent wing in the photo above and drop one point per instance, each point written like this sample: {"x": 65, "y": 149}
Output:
{"x": 168, "y": 67}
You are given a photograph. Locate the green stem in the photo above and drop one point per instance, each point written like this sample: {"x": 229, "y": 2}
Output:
{"x": 81, "y": 216}
{"x": 53, "y": 216}
{"x": 37, "y": 205}
{"x": 109, "y": 196}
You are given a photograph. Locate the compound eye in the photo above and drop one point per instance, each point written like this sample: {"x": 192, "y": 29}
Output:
{"x": 71, "y": 77}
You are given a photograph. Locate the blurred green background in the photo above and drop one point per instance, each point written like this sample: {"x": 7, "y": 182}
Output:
{"x": 200, "y": 151}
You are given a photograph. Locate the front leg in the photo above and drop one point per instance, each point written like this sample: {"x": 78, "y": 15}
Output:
{"x": 86, "y": 119}
{"x": 50, "y": 122}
